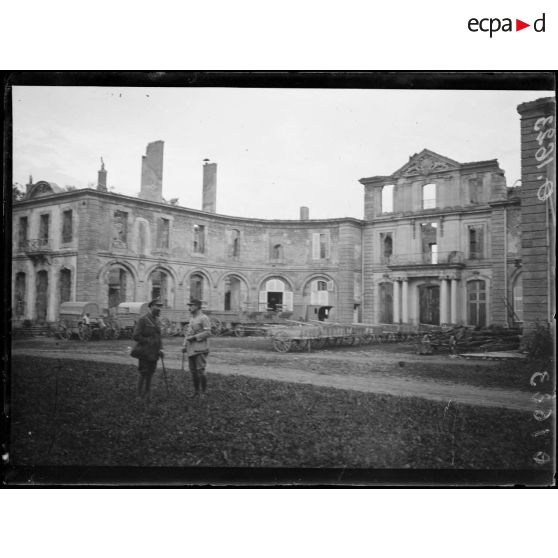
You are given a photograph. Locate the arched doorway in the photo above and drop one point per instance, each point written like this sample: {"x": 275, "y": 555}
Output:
{"x": 117, "y": 280}
{"x": 236, "y": 293}
{"x": 160, "y": 286}
{"x": 41, "y": 299}
{"x": 276, "y": 296}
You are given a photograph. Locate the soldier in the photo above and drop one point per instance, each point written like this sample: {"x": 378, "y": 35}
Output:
{"x": 149, "y": 346}
{"x": 196, "y": 345}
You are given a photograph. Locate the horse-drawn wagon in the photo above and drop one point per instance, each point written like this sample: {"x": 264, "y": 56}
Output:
{"x": 82, "y": 319}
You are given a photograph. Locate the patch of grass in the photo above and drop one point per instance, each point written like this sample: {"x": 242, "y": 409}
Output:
{"x": 81, "y": 413}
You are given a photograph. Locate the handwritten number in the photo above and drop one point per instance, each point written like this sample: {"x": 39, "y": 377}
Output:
{"x": 546, "y": 134}
{"x": 542, "y": 375}
{"x": 542, "y": 152}
{"x": 541, "y": 415}
{"x": 541, "y": 458}
{"x": 542, "y": 122}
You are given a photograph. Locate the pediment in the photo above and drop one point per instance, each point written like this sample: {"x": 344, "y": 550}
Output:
{"x": 426, "y": 163}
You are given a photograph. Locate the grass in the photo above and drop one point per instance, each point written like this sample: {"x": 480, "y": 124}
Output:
{"x": 80, "y": 413}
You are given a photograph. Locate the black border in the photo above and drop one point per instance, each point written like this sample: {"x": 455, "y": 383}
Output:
{"x": 243, "y": 477}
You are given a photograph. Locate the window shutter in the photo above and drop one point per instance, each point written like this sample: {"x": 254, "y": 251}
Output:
{"x": 262, "y": 300}
{"x": 323, "y": 298}
{"x": 315, "y": 246}
{"x": 288, "y": 305}
{"x": 330, "y": 286}
{"x": 327, "y": 239}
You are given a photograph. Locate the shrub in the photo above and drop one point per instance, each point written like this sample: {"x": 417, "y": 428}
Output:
{"x": 538, "y": 343}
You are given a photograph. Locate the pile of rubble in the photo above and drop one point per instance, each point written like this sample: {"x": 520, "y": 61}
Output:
{"x": 460, "y": 339}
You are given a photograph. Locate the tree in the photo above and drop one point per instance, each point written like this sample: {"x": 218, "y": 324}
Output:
{"x": 18, "y": 193}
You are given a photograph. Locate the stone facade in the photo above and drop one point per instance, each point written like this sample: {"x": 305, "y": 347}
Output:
{"x": 435, "y": 245}
{"x": 440, "y": 254}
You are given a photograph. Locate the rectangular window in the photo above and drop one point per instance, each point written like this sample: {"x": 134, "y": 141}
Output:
{"x": 429, "y": 241}
{"x": 23, "y": 232}
{"x": 163, "y": 233}
{"x": 44, "y": 228}
{"x": 199, "y": 239}
{"x": 476, "y": 242}
{"x": 429, "y": 196}
{"x": 320, "y": 246}
{"x": 67, "y": 226}
{"x": 387, "y": 198}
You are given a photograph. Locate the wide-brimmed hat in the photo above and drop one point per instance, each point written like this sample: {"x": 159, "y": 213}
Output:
{"x": 195, "y": 302}
{"x": 155, "y": 302}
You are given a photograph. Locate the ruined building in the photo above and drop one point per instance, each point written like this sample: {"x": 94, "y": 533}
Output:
{"x": 439, "y": 243}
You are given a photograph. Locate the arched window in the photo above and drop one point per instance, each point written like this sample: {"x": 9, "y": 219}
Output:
{"x": 116, "y": 286}
{"x": 41, "y": 299}
{"x": 429, "y": 196}
{"x": 476, "y": 303}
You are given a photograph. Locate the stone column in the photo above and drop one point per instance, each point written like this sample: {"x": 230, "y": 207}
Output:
{"x": 444, "y": 317}
{"x": 396, "y": 302}
{"x": 453, "y": 305}
{"x": 405, "y": 301}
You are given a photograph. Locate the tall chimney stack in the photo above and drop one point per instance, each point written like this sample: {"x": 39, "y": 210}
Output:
{"x": 304, "y": 213}
{"x": 209, "y": 203}
{"x": 102, "y": 178}
{"x": 152, "y": 172}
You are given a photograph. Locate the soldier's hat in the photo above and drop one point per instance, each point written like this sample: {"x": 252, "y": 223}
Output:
{"x": 195, "y": 302}
{"x": 155, "y": 302}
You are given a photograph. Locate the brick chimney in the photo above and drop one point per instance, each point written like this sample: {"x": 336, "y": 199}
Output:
{"x": 209, "y": 203}
{"x": 29, "y": 185}
{"x": 304, "y": 213}
{"x": 152, "y": 172}
{"x": 102, "y": 178}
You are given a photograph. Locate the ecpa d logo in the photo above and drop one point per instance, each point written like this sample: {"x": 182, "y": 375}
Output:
{"x": 492, "y": 25}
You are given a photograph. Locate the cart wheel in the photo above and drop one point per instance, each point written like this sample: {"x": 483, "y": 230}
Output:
{"x": 366, "y": 339}
{"x": 84, "y": 332}
{"x": 239, "y": 330}
{"x": 281, "y": 342}
{"x": 348, "y": 340}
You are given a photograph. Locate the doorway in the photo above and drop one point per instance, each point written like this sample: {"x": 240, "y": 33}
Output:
{"x": 429, "y": 304}
{"x": 41, "y": 298}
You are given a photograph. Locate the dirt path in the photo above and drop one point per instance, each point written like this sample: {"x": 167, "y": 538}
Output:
{"x": 404, "y": 387}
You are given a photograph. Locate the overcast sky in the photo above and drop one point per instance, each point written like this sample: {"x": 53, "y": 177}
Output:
{"x": 275, "y": 149}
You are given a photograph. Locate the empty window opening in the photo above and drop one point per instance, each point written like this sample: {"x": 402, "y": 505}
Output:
{"x": 199, "y": 239}
{"x": 387, "y": 198}
{"x": 163, "y": 233}
{"x": 429, "y": 196}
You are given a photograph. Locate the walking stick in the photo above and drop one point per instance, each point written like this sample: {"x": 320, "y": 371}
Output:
{"x": 182, "y": 369}
{"x": 165, "y": 375}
